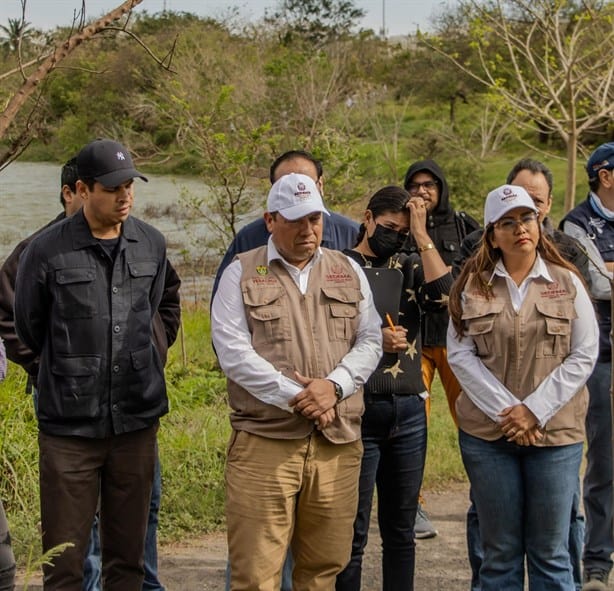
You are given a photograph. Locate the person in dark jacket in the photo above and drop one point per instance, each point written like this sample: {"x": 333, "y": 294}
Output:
{"x": 447, "y": 228}
{"x": 86, "y": 293}
{"x": 165, "y": 326}
{"x": 591, "y": 222}
{"x": 536, "y": 178}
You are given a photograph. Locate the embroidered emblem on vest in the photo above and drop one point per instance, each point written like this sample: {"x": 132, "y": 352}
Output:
{"x": 262, "y": 269}
{"x": 338, "y": 275}
{"x": 597, "y": 224}
{"x": 553, "y": 290}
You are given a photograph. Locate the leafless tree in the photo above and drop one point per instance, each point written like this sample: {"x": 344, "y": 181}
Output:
{"x": 35, "y": 71}
{"x": 550, "y": 62}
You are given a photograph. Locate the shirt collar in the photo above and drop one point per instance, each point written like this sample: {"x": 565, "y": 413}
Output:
{"x": 539, "y": 269}
{"x": 273, "y": 254}
{"x": 598, "y": 206}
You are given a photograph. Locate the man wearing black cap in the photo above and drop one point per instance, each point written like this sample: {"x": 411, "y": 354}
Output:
{"x": 86, "y": 292}
{"x": 592, "y": 224}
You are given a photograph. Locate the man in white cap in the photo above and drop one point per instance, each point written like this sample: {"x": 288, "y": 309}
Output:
{"x": 297, "y": 335}
{"x": 86, "y": 293}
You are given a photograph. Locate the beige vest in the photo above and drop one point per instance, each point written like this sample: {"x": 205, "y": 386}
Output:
{"x": 521, "y": 349}
{"x": 309, "y": 333}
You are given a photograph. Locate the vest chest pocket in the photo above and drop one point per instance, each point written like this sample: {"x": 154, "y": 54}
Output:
{"x": 270, "y": 323}
{"x": 342, "y": 312}
{"x": 479, "y": 319}
{"x": 268, "y": 313}
{"x": 76, "y": 292}
{"x": 481, "y": 331}
{"x": 557, "y": 338}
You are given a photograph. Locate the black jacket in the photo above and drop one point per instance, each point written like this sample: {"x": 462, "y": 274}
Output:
{"x": 89, "y": 319}
{"x": 165, "y": 323}
{"x": 447, "y": 229}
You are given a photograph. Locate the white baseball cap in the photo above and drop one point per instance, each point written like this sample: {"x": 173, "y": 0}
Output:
{"x": 295, "y": 196}
{"x": 504, "y": 199}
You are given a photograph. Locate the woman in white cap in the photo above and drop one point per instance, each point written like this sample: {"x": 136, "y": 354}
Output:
{"x": 522, "y": 341}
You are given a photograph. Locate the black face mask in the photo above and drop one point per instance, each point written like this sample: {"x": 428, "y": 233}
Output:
{"x": 385, "y": 242}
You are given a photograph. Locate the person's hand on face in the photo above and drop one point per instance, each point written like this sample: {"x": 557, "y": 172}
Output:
{"x": 418, "y": 213}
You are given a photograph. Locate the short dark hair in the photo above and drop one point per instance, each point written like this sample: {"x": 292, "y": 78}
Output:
{"x": 534, "y": 166}
{"x": 292, "y": 155}
{"x": 389, "y": 199}
{"x": 69, "y": 177}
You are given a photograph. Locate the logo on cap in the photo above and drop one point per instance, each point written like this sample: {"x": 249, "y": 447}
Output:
{"x": 508, "y": 194}
{"x": 120, "y": 156}
{"x": 601, "y": 164}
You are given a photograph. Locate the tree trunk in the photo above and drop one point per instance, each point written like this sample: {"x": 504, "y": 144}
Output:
{"x": 570, "y": 181}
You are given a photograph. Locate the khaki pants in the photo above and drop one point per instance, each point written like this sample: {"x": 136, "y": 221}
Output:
{"x": 298, "y": 492}
{"x": 437, "y": 358}
{"x": 73, "y": 470}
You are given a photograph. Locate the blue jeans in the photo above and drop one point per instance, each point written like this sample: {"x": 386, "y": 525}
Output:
{"x": 524, "y": 498}
{"x": 576, "y": 541}
{"x": 394, "y": 440}
{"x": 92, "y": 563}
{"x": 599, "y": 542}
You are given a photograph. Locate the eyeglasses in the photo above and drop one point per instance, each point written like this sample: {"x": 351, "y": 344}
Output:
{"x": 510, "y": 224}
{"x": 413, "y": 188}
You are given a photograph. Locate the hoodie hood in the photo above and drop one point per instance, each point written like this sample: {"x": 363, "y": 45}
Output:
{"x": 442, "y": 209}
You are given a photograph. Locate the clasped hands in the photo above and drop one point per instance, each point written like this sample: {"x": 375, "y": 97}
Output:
{"x": 316, "y": 401}
{"x": 520, "y": 425}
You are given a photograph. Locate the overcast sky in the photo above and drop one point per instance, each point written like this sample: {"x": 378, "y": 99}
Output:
{"x": 400, "y": 16}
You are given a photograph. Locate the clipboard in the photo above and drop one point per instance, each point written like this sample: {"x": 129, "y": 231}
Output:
{"x": 386, "y": 286}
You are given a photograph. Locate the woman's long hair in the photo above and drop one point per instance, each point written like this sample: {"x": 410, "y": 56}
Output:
{"x": 482, "y": 264}
{"x": 389, "y": 199}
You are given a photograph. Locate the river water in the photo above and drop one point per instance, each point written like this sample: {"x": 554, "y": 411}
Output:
{"x": 30, "y": 197}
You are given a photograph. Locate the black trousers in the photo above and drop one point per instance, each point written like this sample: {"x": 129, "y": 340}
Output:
{"x": 73, "y": 471}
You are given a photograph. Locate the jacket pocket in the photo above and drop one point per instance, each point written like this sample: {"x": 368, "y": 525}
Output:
{"x": 76, "y": 292}
{"x": 142, "y": 274}
{"x": 269, "y": 314}
{"x": 77, "y": 381}
{"x": 479, "y": 320}
{"x": 557, "y": 338}
{"x": 342, "y": 317}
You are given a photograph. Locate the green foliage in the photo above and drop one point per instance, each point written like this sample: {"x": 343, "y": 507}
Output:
{"x": 315, "y": 22}
{"x": 443, "y": 459}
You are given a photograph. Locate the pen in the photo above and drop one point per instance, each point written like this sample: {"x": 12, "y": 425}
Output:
{"x": 390, "y": 323}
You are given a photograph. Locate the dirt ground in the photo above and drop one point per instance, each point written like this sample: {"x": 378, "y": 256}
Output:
{"x": 441, "y": 562}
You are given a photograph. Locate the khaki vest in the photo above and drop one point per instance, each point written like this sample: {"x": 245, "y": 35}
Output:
{"x": 309, "y": 333}
{"x": 522, "y": 349}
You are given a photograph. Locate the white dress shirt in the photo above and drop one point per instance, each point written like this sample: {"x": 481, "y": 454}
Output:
{"x": 491, "y": 396}
{"x": 242, "y": 364}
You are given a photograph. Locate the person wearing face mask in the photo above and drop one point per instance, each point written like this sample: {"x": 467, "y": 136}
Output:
{"x": 394, "y": 423}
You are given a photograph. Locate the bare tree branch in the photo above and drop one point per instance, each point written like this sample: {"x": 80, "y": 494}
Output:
{"x": 556, "y": 68}
{"x": 61, "y": 51}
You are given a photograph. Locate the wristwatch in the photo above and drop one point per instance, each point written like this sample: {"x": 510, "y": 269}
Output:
{"x": 338, "y": 391}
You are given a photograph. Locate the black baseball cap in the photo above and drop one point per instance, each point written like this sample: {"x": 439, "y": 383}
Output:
{"x": 107, "y": 162}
